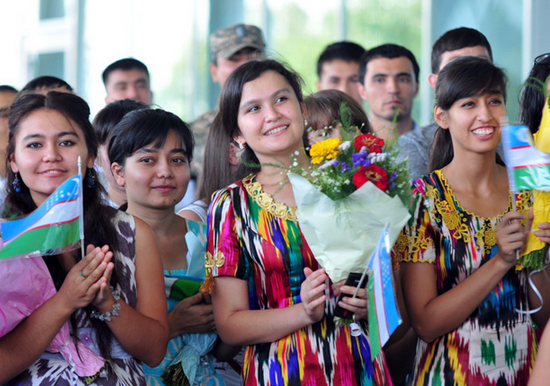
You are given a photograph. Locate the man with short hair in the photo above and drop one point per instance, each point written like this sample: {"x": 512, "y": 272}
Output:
{"x": 389, "y": 83}
{"x": 338, "y": 67}
{"x": 453, "y": 44}
{"x": 230, "y": 47}
{"x": 127, "y": 78}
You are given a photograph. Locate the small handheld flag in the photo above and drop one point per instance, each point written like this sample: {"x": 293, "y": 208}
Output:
{"x": 383, "y": 312}
{"x": 528, "y": 168}
{"x": 53, "y": 225}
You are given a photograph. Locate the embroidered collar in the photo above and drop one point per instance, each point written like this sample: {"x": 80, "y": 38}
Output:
{"x": 266, "y": 201}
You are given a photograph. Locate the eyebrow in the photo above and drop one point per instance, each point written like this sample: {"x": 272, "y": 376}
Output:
{"x": 152, "y": 150}
{"x": 62, "y": 134}
{"x": 255, "y": 101}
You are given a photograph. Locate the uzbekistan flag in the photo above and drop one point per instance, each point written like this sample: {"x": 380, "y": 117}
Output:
{"x": 528, "y": 168}
{"x": 55, "y": 224}
{"x": 383, "y": 313}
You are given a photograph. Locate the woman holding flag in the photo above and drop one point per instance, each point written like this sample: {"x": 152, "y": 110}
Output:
{"x": 269, "y": 292}
{"x": 464, "y": 296}
{"x": 112, "y": 298}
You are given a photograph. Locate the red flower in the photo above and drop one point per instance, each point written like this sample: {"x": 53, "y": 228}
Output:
{"x": 371, "y": 142}
{"x": 374, "y": 174}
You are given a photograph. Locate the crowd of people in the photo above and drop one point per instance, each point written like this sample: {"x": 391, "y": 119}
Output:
{"x": 171, "y": 206}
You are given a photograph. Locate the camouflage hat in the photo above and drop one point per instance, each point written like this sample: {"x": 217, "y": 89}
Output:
{"x": 228, "y": 40}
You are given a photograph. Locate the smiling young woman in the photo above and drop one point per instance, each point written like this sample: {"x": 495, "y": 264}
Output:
{"x": 269, "y": 291}
{"x": 122, "y": 272}
{"x": 461, "y": 287}
{"x": 151, "y": 151}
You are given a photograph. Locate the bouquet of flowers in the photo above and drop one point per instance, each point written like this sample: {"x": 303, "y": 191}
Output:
{"x": 353, "y": 187}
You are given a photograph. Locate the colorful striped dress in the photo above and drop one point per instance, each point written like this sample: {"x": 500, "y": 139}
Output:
{"x": 253, "y": 238}
{"x": 496, "y": 345}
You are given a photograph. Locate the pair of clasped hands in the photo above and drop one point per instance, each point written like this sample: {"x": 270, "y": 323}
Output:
{"x": 88, "y": 280}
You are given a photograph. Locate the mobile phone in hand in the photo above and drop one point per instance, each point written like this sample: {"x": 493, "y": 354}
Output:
{"x": 353, "y": 281}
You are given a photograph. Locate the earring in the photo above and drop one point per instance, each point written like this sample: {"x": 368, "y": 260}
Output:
{"x": 16, "y": 183}
{"x": 242, "y": 145}
{"x": 90, "y": 180}
{"x": 305, "y": 123}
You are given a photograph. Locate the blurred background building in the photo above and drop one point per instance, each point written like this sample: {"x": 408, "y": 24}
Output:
{"x": 76, "y": 39}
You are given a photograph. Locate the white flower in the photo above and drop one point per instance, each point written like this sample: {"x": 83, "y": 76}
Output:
{"x": 327, "y": 164}
{"x": 344, "y": 145}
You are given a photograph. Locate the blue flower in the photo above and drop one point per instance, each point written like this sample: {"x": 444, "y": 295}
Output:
{"x": 344, "y": 167}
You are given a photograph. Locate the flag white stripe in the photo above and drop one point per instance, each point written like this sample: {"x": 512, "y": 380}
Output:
{"x": 60, "y": 213}
{"x": 379, "y": 302}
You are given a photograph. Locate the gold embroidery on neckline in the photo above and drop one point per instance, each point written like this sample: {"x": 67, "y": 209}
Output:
{"x": 266, "y": 201}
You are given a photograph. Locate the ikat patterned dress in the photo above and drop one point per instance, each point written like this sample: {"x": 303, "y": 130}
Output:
{"x": 496, "y": 345}
{"x": 253, "y": 238}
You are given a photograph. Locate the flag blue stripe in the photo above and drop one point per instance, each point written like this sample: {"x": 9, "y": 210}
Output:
{"x": 392, "y": 315}
{"x": 66, "y": 192}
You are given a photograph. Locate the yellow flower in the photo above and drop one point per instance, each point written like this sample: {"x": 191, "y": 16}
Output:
{"x": 327, "y": 149}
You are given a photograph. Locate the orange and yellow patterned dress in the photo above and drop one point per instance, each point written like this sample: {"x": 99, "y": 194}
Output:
{"x": 496, "y": 345}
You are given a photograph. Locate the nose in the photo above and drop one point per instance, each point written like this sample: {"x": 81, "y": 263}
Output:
{"x": 272, "y": 113}
{"x": 485, "y": 113}
{"x": 164, "y": 170}
{"x": 51, "y": 154}
{"x": 131, "y": 92}
{"x": 393, "y": 87}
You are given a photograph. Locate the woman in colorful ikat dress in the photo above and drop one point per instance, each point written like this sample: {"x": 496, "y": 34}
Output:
{"x": 461, "y": 287}
{"x": 269, "y": 292}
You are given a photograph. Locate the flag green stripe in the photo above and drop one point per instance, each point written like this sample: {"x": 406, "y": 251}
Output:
{"x": 49, "y": 237}
{"x": 373, "y": 322}
{"x": 531, "y": 177}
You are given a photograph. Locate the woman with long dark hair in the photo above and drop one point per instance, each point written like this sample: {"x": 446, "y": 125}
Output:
{"x": 463, "y": 294}
{"x": 269, "y": 292}
{"x": 121, "y": 271}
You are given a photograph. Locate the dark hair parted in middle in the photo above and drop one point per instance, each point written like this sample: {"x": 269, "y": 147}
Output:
{"x": 140, "y": 128}
{"x": 230, "y": 100}
{"x": 462, "y": 78}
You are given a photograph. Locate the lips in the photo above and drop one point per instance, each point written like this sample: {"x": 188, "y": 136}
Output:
{"x": 164, "y": 188}
{"x": 395, "y": 102}
{"x": 276, "y": 130}
{"x": 52, "y": 172}
{"x": 484, "y": 132}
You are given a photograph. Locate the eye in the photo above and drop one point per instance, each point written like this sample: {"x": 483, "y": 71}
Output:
{"x": 34, "y": 145}
{"x": 496, "y": 101}
{"x": 467, "y": 104}
{"x": 67, "y": 143}
{"x": 146, "y": 160}
{"x": 379, "y": 80}
{"x": 179, "y": 160}
{"x": 253, "y": 109}
{"x": 281, "y": 99}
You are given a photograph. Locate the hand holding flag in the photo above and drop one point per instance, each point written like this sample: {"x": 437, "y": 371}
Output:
{"x": 25, "y": 282}
{"x": 529, "y": 169}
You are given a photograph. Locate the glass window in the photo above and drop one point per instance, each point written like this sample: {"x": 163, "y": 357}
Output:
{"x": 52, "y": 63}
{"x": 52, "y": 9}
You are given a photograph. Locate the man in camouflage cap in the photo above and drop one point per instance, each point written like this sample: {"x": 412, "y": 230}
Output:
{"x": 230, "y": 47}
